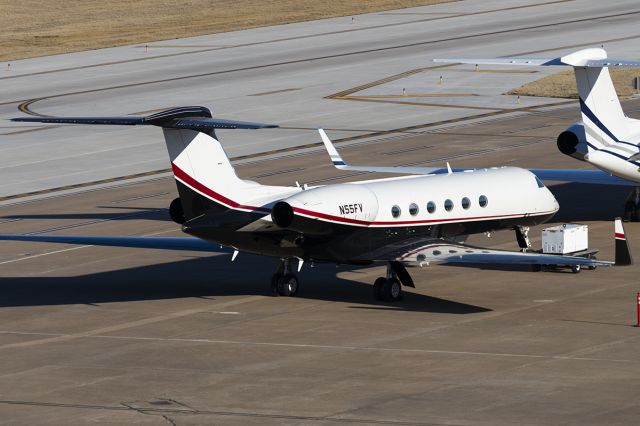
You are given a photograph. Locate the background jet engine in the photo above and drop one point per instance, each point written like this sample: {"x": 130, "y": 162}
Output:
{"x": 176, "y": 212}
{"x": 573, "y": 142}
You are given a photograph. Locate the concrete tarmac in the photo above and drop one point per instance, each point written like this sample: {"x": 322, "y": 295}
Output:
{"x": 94, "y": 335}
{"x": 341, "y": 74}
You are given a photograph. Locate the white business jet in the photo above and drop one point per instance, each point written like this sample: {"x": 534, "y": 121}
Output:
{"x": 414, "y": 220}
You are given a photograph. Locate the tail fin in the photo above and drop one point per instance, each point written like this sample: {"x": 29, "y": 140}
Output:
{"x": 623, "y": 254}
{"x": 203, "y": 172}
{"x": 604, "y": 120}
{"x": 602, "y": 115}
{"x": 200, "y": 165}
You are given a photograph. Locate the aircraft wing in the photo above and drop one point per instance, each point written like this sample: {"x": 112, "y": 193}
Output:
{"x": 438, "y": 251}
{"x": 558, "y": 175}
{"x": 461, "y": 254}
{"x": 581, "y": 176}
{"x": 162, "y": 243}
{"x": 340, "y": 164}
{"x": 418, "y": 251}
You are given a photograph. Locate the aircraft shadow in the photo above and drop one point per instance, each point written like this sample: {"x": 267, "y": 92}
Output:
{"x": 209, "y": 277}
{"x": 587, "y": 202}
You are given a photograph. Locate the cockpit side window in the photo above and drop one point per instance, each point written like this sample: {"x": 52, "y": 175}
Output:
{"x": 539, "y": 183}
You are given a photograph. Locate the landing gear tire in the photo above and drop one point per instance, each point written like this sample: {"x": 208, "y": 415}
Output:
{"x": 287, "y": 285}
{"x": 632, "y": 206}
{"x": 274, "y": 283}
{"x": 377, "y": 288}
{"x": 575, "y": 269}
{"x": 536, "y": 268}
{"x": 387, "y": 290}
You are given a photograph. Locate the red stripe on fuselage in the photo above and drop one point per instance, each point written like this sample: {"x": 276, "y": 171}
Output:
{"x": 188, "y": 180}
{"x": 408, "y": 222}
{"x": 183, "y": 176}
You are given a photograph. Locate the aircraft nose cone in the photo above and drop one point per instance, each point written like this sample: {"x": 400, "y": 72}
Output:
{"x": 555, "y": 206}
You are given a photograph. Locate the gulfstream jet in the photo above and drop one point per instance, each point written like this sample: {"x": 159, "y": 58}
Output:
{"x": 605, "y": 137}
{"x": 414, "y": 220}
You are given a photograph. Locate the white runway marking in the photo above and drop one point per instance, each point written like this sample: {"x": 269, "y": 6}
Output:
{"x": 54, "y": 338}
{"x": 287, "y": 345}
{"x": 42, "y": 254}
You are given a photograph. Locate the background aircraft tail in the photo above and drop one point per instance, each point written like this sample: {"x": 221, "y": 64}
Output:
{"x": 604, "y": 121}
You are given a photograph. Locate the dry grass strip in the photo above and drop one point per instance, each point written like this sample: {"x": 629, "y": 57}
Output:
{"x": 563, "y": 84}
{"x": 30, "y": 28}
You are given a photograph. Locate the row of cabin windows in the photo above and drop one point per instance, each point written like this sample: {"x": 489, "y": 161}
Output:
{"x": 483, "y": 201}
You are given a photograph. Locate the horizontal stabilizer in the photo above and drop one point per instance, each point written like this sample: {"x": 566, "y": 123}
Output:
{"x": 502, "y": 61}
{"x": 194, "y": 118}
{"x": 588, "y": 58}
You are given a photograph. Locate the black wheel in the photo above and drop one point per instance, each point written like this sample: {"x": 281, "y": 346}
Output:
{"x": 536, "y": 268}
{"x": 274, "y": 283}
{"x": 288, "y": 285}
{"x": 391, "y": 290}
{"x": 377, "y": 288}
{"x": 575, "y": 269}
{"x": 631, "y": 213}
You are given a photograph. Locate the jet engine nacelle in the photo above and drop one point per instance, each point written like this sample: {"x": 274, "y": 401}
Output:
{"x": 322, "y": 210}
{"x": 573, "y": 141}
{"x": 176, "y": 212}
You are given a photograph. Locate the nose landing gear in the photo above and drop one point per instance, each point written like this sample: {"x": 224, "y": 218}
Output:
{"x": 522, "y": 237}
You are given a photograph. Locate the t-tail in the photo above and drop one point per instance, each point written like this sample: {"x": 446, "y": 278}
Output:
{"x": 605, "y": 137}
{"x": 205, "y": 178}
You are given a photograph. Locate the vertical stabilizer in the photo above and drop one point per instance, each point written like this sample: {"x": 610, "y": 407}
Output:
{"x": 602, "y": 115}
{"x": 202, "y": 158}
{"x": 623, "y": 254}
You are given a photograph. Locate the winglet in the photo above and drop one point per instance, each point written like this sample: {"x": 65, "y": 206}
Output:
{"x": 333, "y": 152}
{"x": 623, "y": 254}
{"x": 449, "y": 171}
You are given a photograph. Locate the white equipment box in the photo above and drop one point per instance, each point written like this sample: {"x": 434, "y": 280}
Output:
{"x": 564, "y": 239}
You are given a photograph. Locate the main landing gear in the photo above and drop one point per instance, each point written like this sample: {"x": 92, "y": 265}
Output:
{"x": 284, "y": 282}
{"x": 389, "y": 288}
{"x": 632, "y": 206}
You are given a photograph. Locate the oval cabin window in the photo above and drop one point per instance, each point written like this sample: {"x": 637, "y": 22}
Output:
{"x": 448, "y": 205}
{"x": 431, "y": 207}
{"x": 466, "y": 203}
{"x": 483, "y": 201}
{"x": 413, "y": 209}
{"x": 395, "y": 211}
